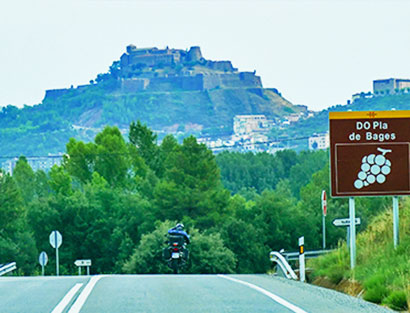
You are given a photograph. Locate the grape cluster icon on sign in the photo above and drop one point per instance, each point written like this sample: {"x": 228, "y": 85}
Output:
{"x": 374, "y": 168}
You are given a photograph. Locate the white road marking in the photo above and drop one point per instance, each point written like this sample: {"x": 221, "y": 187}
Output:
{"x": 67, "y": 298}
{"x": 276, "y": 298}
{"x": 78, "y": 304}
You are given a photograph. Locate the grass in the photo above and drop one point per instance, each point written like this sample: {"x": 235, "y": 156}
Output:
{"x": 382, "y": 271}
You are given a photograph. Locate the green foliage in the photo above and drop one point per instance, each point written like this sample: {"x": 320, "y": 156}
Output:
{"x": 397, "y": 300}
{"x": 208, "y": 254}
{"x": 111, "y": 201}
{"x": 376, "y": 289}
{"x": 147, "y": 257}
{"x": 383, "y": 271}
{"x": 25, "y": 179}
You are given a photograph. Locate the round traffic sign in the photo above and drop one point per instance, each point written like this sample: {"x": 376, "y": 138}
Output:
{"x": 43, "y": 258}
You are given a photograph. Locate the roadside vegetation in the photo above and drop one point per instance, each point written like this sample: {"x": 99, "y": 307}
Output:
{"x": 382, "y": 274}
{"x": 112, "y": 200}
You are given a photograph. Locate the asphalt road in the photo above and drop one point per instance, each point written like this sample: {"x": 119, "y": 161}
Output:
{"x": 171, "y": 293}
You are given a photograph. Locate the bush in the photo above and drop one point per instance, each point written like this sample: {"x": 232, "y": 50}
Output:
{"x": 209, "y": 255}
{"x": 397, "y": 301}
{"x": 375, "y": 289}
{"x": 207, "y": 252}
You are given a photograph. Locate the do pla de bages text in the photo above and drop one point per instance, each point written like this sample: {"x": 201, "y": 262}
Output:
{"x": 369, "y": 135}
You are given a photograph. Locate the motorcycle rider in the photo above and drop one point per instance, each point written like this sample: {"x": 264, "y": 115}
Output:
{"x": 178, "y": 230}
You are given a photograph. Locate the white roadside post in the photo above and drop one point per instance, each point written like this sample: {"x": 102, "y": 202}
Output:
{"x": 352, "y": 227}
{"x": 55, "y": 241}
{"x": 324, "y": 211}
{"x": 302, "y": 259}
{"x": 43, "y": 259}
{"x": 395, "y": 221}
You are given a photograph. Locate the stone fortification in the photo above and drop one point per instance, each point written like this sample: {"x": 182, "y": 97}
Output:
{"x": 153, "y": 69}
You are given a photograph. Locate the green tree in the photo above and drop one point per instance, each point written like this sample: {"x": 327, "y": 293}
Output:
{"x": 25, "y": 179}
{"x": 146, "y": 142}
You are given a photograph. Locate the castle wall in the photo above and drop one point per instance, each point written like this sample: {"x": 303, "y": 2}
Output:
{"x": 154, "y": 59}
{"x": 134, "y": 85}
{"x": 223, "y": 66}
{"x": 55, "y": 93}
{"x": 211, "y": 81}
{"x": 193, "y": 82}
{"x": 250, "y": 79}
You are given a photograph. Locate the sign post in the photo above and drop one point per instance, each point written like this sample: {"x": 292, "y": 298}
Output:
{"x": 324, "y": 210}
{"x": 43, "y": 259}
{"x": 369, "y": 156}
{"x": 395, "y": 221}
{"x": 302, "y": 275}
{"x": 55, "y": 241}
{"x": 352, "y": 226}
{"x": 81, "y": 263}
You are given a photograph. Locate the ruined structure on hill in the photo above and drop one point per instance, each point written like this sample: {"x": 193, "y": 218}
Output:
{"x": 153, "y": 69}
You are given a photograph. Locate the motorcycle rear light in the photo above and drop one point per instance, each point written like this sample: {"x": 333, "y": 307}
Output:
{"x": 175, "y": 249}
{"x": 175, "y": 244}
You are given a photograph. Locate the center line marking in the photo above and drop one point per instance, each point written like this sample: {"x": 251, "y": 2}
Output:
{"x": 274, "y": 297}
{"x": 78, "y": 304}
{"x": 63, "y": 303}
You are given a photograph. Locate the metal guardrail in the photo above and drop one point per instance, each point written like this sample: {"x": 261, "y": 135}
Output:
{"x": 4, "y": 269}
{"x": 283, "y": 265}
{"x": 291, "y": 256}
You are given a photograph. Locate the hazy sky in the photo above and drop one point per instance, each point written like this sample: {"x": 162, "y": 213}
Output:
{"x": 317, "y": 53}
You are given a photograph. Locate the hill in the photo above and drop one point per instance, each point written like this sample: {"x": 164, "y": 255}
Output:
{"x": 170, "y": 90}
{"x": 319, "y": 123}
{"x": 382, "y": 274}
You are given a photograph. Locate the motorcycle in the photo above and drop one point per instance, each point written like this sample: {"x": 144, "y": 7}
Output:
{"x": 176, "y": 253}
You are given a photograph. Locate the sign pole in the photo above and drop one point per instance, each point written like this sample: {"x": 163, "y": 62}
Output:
{"x": 352, "y": 233}
{"x": 324, "y": 231}
{"x": 348, "y": 237}
{"x": 395, "y": 221}
{"x": 57, "y": 260}
{"x": 324, "y": 211}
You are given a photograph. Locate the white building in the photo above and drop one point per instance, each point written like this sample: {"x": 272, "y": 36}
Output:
{"x": 319, "y": 141}
{"x": 247, "y": 124}
{"x": 44, "y": 163}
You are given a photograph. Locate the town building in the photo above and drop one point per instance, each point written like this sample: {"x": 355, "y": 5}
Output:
{"x": 391, "y": 85}
{"x": 319, "y": 141}
{"x": 247, "y": 124}
{"x": 44, "y": 163}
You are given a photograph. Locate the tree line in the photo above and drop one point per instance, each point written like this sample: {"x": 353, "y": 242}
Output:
{"x": 114, "y": 199}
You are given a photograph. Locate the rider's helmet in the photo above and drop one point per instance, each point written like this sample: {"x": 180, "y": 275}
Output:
{"x": 180, "y": 226}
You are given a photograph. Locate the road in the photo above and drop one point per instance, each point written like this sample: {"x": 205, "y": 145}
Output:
{"x": 171, "y": 293}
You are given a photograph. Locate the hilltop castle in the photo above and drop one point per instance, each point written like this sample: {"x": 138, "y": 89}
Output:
{"x": 153, "y": 69}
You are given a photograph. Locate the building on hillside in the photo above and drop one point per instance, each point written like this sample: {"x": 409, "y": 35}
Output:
{"x": 247, "y": 124}
{"x": 319, "y": 141}
{"x": 391, "y": 85}
{"x": 361, "y": 95}
{"x": 44, "y": 163}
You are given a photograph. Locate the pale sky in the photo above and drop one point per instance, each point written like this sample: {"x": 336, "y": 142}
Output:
{"x": 317, "y": 53}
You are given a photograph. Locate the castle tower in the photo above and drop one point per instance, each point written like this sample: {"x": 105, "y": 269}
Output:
{"x": 194, "y": 54}
{"x": 131, "y": 48}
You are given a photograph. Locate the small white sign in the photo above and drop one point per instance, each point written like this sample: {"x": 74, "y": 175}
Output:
{"x": 56, "y": 239}
{"x": 82, "y": 262}
{"x": 345, "y": 221}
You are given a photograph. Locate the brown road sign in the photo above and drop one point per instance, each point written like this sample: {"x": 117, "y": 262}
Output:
{"x": 370, "y": 153}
